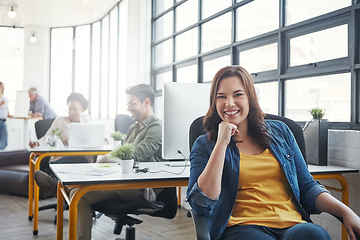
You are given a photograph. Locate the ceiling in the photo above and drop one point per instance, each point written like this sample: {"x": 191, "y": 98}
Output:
{"x": 54, "y": 13}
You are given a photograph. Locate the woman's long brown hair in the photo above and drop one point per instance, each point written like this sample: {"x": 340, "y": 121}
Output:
{"x": 256, "y": 125}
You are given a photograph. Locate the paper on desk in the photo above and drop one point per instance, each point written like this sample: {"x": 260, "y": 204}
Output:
{"x": 95, "y": 170}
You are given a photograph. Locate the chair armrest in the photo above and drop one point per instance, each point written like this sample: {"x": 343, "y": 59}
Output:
{"x": 201, "y": 227}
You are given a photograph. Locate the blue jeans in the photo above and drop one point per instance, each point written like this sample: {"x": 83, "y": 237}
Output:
{"x": 3, "y": 135}
{"x": 299, "y": 231}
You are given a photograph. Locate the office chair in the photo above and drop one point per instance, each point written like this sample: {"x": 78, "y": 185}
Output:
{"x": 165, "y": 206}
{"x": 196, "y": 129}
{"x": 123, "y": 122}
{"x": 42, "y": 126}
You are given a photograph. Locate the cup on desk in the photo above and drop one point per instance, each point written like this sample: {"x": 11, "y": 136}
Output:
{"x": 127, "y": 165}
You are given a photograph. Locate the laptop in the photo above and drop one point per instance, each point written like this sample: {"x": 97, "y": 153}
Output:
{"x": 86, "y": 135}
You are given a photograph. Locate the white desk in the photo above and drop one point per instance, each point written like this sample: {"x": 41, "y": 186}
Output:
{"x": 36, "y": 156}
{"x": 108, "y": 176}
{"x": 334, "y": 172}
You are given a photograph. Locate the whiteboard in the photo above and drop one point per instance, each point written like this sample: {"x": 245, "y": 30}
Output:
{"x": 22, "y": 104}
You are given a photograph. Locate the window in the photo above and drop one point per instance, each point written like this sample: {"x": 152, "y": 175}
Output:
{"x": 319, "y": 46}
{"x": 297, "y": 11}
{"x": 257, "y": 17}
{"x": 216, "y": 33}
{"x": 61, "y": 68}
{"x": 92, "y": 60}
{"x": 267, "y": 94}
{"x": 186, "y": 44}
{"x": 285, "y": 45}
{"x": 251, "y": 61}
{"x": 331, "y": 93}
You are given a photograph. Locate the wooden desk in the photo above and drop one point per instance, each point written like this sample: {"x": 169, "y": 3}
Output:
{"x": 85, "y": 177}
{"x": 36, "y": 156}
{"x": 335, "y": 172}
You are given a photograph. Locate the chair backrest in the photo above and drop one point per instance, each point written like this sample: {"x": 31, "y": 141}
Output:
{"x": 123, "y": 122}
{"x": 197, "y": 129}
{"x": 42, "y": 126}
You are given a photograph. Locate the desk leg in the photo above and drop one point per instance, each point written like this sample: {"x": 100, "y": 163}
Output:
{"x": 31, "y": 185}
{"x": 179, "y": 196}
{"x": 344, "y": 194}
{"x": 36, "y": 193}
{"x": 60, "y": 213}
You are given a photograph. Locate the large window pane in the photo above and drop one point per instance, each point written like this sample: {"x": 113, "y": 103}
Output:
{"x": 216, "y": 33}
{"x": 113, "y": 64}
{"x": 257, "y": 17}
{"x": 187, "y": 74}
{"x": 212, "y": 66}
{"x": 267, "y": 94}
{"x": 11, "y": 62}
{"x": 82, "y": 60}
{"x": 123, "y": 53}
{"x": 164, "y": 26}
{"x": 61, "y": 68}
{"x": 186, "y": 14}
{"x": 319, "y": 46}
{"x": 186, "y": 44}
{"x": 210, "y": 7}
{"x": 161, "y": 5}
{"x": 163, "y": 53}
{"x": 259, "y": 59}
{"x": 95, "y": 72}
{"x": 297, "y": 11}
{"x": 331, "y": 93}
{"x": 162, "y": 78}
{"x": 104, "y": 80}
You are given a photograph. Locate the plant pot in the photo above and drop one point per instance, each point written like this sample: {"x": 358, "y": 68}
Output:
{"x": 316, "y": 141}
{"x": 117, "y": 144}
{"x": 127, "y": 165}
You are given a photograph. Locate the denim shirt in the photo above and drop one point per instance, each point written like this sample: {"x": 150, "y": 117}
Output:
{"x": 286, "y": 151}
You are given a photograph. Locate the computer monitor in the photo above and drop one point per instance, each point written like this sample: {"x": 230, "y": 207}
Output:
{"x": 183, "y": 103}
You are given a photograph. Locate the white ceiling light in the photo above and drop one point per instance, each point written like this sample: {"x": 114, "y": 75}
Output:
{"x": 33, "y": 38}
{"x": 12, "y": 13}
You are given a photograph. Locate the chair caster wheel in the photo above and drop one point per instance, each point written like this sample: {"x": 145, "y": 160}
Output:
{"x": 30, "y": 218}
{"x": 35, "y": 232}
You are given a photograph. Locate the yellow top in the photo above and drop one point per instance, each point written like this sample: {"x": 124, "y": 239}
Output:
{"x": 264, "y": 196}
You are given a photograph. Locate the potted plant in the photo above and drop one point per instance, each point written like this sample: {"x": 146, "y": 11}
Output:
{"x": 125, "y": 155}
{"x": 54, "y": 140}
{"x": 118, "y": 137}
{"x": 316, "y": 138}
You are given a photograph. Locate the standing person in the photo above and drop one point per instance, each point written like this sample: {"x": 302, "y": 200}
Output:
{"x": 248, "y": 176}
{"x": 39, "y": 107}
{"x": 4, "y": 114}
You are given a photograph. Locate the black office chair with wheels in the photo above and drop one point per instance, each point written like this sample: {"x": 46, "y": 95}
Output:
{"x": 123, "y": 122}
{"x": 165, "y": 206}
{"x": 197, "y": 129}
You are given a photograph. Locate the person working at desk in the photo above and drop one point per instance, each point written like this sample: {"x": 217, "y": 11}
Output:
{"x": 4, "y": 114}
{"x": 248, "y": 176}
{"x": 77, "y": 105}
{"x": 145, "y": 134}
{"x": 39, "y": 107}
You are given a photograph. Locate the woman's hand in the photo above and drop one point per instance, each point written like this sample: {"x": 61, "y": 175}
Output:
{"x": 226, "y": 131}
{"x": 33, "y": 144}
{"x": 352, "y": 224}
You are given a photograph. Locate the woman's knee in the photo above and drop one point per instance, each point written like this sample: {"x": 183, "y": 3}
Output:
{"x": 306, "y": 231}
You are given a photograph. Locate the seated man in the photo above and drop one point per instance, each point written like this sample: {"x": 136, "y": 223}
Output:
{"x": 145, "y": 134}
